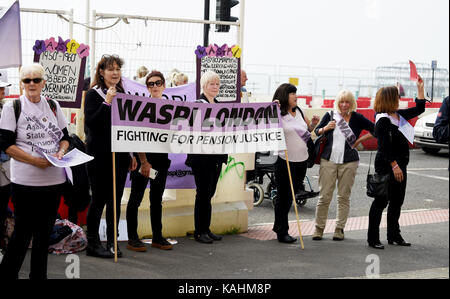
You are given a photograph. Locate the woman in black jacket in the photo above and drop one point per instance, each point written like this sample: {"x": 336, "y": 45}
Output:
{"x": 392, "y": 158}
{"x": 139, "y": 179}
{"x": 97, "y": 109}
{"x": 206, "y": 169}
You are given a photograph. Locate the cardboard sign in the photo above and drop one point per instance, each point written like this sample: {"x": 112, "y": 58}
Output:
{"x": 64, "y": 64}
{"x": 226, "y": 62}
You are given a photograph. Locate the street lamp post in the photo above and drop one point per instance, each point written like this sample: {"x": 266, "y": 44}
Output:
{"x": 433, "y": 68}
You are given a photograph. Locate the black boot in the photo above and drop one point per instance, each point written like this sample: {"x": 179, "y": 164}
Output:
{"x": 95, "y": 248}
{"x": 110, "y": 248}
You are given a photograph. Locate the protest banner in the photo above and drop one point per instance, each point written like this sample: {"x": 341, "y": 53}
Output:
{"x": 141, "y": 124}
{"x": 64, "y": 63}
{"x": 179, "y": 175}
{"x": 226, "y": 62}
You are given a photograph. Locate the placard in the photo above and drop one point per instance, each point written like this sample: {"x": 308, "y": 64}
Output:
{"x": 64, "y": 63}
{"x": 226, "y": 62}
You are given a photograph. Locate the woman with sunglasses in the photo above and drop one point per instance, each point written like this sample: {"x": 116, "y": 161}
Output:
{"x": 97, "y": 109}
{"x": 206, "y": 169}
{"x": 393, "y": 133}
{"x": 139, "y": 179}
{"x": 36, "y": 185}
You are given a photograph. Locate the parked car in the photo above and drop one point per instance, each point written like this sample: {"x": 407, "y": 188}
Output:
{"x": 423, "y": 135}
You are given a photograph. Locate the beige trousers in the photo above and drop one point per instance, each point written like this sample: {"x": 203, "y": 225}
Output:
{"x": 329, "y": 174}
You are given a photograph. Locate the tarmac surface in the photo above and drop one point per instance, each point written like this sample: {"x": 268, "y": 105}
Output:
{"x": 254, "y": 256}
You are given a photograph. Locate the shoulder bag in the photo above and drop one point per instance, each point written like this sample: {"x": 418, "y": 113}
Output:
{"x": 319, "y": 145}
{"x": 377, "y": 184}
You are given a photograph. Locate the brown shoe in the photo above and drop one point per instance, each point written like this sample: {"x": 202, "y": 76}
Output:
{"x": 338, "y": 234}
{"x": 162, "y": 244}
{"x": 318, "y": 233}
{"x": 136, "y": 245}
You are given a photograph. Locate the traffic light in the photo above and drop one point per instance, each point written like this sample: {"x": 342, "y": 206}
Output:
{"x": 223, "y": 13}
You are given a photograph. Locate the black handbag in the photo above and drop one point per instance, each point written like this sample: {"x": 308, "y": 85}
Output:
{"x": 377, "y": 184}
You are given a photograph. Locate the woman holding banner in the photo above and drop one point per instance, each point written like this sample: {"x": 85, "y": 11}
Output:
{"x": 139, "y": 179}
{"x": 206, "y": 169}
{"x": 297, "y": 128}
{"x": 97, "y": 109}
{"x": 393, "y": 132}
{"x": 339, "y": 160}
{"x": 36, "y": 185}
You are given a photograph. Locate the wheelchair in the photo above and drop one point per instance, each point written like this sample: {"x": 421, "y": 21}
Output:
{"x": 265, "y": 167}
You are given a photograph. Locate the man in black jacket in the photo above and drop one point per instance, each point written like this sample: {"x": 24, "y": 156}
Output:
{"x": 441, "y": 126}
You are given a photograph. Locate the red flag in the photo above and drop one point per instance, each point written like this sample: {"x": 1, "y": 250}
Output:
{"x": 413, "y": 72}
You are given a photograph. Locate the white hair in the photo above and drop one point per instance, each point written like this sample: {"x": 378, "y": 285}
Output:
{"x": 207, "y": 77}
{"x": 34, "y": 68}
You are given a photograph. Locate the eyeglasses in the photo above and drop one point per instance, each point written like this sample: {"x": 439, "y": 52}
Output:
{"x": 35, "y": 80}
{"x": 158, "y": 83}
{"x": 109, "y": 56}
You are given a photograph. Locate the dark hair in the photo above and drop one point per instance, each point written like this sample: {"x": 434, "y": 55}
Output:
{"x": 155, "y": 73}
{"x": 386, "y": 100}
{"x": 105, "y": 62}
{"x": 282, "y": 95}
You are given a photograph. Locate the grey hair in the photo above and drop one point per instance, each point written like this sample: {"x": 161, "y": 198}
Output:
{"x": 34, "y": 68}
{"x": 207, "y": 77}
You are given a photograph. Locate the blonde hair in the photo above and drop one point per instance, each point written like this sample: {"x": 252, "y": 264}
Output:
{"x": 142, "y": 72}
{"x": 207, "y": 77}
{"x": 345, "y": 95}
{"x": 34, "y": 68}
{"x": 180, "y": 79}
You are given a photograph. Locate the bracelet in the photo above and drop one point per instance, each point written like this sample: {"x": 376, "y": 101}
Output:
{"x": 396, "y": 166}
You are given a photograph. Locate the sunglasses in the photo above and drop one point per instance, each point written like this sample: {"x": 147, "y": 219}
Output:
{"x": 109, "y": 56}
{"x": 158, "y": 83}
{"x": 35, "y": 80}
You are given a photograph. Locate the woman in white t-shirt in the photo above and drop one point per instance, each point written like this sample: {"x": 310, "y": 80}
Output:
{"x": 297, "y": 130}
{"x": 36, "y": 185}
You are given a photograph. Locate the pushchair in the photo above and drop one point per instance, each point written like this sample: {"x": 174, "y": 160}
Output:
{"x": 265, "y": 166}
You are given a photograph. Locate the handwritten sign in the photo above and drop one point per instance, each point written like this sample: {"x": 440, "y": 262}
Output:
{"x": 225, "y": 61}
{"x": 64, "y": 63}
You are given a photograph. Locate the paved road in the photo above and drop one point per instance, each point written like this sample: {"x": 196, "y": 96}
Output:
{"x": 428, "y": 188}
{"x": 241, "y": 257}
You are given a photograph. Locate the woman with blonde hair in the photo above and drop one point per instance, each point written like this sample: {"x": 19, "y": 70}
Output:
{"x": 339, "y": 160}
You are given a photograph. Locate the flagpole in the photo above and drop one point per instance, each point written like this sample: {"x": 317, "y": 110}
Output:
{"x": 293, "y": 199}
{"x": 114, "y": 206}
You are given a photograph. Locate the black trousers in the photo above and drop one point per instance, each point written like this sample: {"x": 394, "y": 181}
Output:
{"x": 138, "y": 186}
{"x": 5, "y": 194}
{"x": 206, "y": 176}
{"x": 35, "y": 210}
{"x": 394, "y": 202}
{"x": 283, "y": 202}
{"x": 100, "y": 173}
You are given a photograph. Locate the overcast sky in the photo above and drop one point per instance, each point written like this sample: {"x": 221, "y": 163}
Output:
{"x": 360, "y": 34}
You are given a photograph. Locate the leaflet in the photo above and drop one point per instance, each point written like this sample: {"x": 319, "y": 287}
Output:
{"x": 73, "y": 158}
